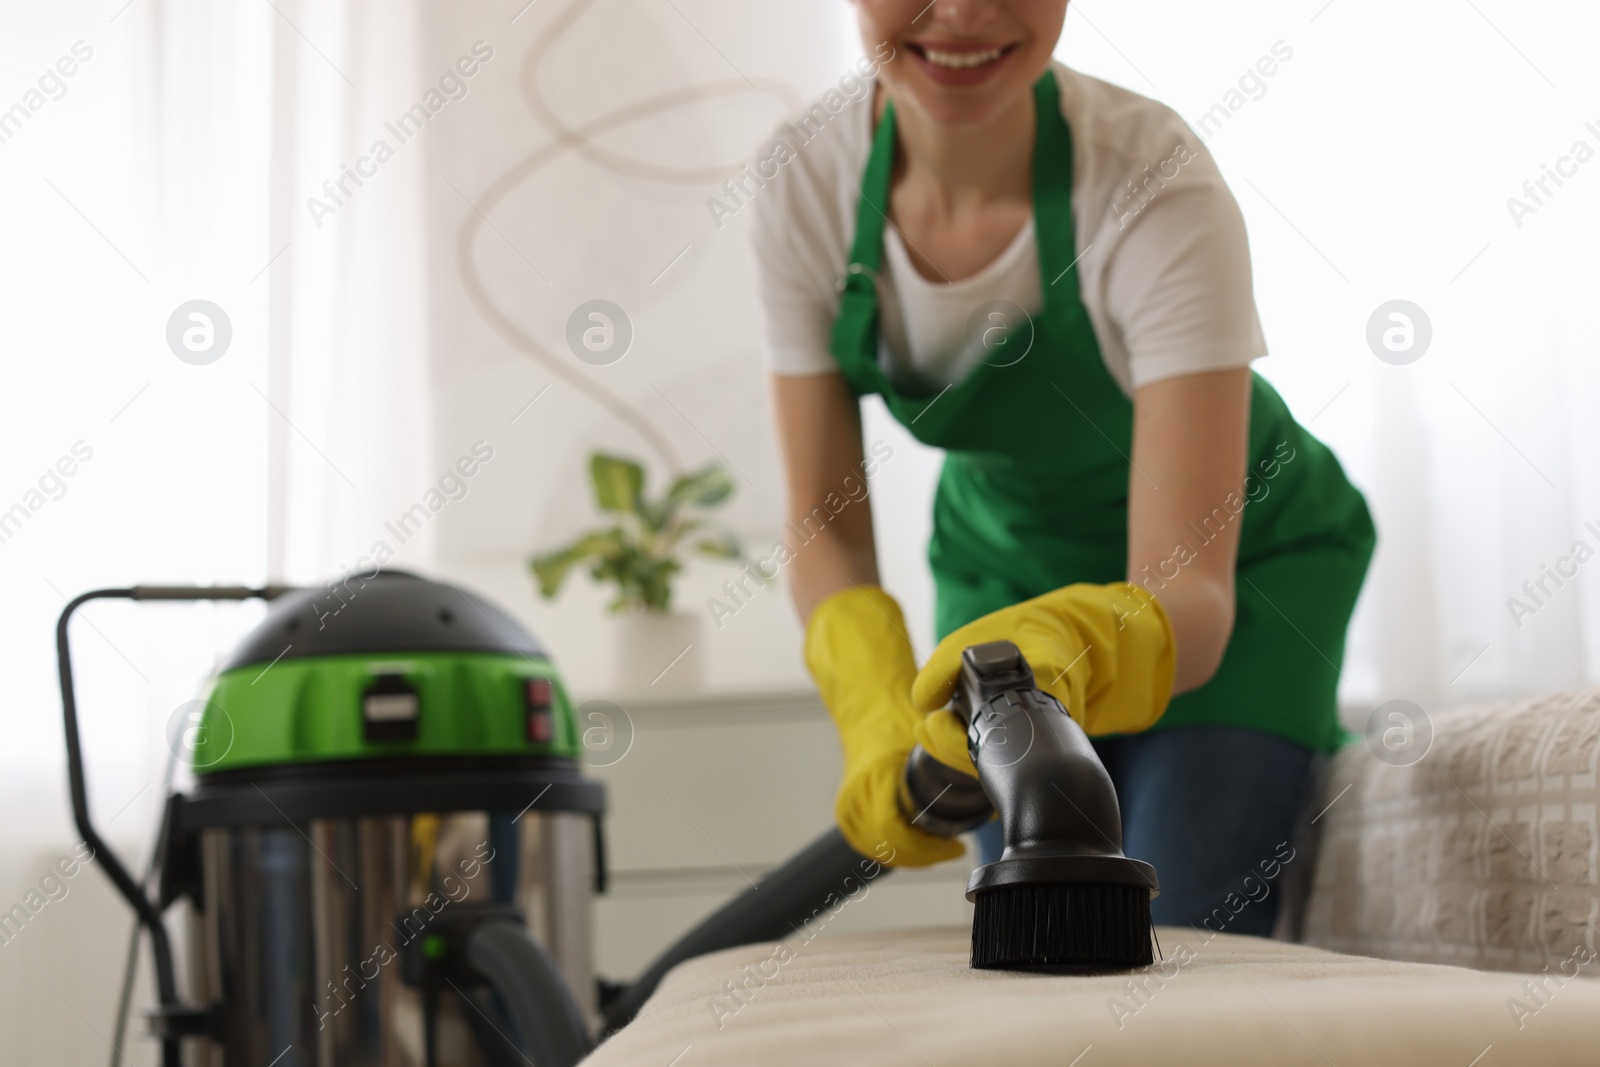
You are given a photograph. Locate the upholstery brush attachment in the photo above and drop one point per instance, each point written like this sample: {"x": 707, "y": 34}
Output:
{"x": 1062, "y": 895}
{"x": 1083, "y": 925}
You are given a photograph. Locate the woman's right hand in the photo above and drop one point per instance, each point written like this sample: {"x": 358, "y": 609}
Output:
{"x": 859, "y": 654}
{"x": 856, "y": 643}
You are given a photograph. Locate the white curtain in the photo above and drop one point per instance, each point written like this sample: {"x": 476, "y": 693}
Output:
{"x": 173, "y": 164}
{"x": 351, "y": 433}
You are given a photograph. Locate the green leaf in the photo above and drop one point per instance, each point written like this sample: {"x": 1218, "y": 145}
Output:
{"x": 618, "y": 483}
{"x": 724, "y": 547}
{"x": 654, "y": 514}
{"x": 552, "y": 569}
{"x": 655, "y": 585}
{"x": 670, "y": 537}
{"x": 643, "y": 584}
{"x": 703, "y": 488}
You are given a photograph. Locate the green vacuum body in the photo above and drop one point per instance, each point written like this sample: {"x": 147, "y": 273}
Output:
{"x": 379, "y": 669}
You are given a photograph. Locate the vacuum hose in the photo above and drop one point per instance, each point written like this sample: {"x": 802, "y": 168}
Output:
{"x": 771, "y": 911}
{"x": 532, "y": 990}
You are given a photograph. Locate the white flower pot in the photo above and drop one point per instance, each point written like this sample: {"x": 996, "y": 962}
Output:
{"x": 657, "y": 652}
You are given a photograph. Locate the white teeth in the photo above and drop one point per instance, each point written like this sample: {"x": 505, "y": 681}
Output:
{"x": 961, "y": 60}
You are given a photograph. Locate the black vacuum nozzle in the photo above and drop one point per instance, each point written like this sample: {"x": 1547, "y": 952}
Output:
{"x": 1062, "y": 894}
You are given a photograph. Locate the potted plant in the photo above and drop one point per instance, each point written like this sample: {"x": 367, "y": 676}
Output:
{"x": 640, "y": 554}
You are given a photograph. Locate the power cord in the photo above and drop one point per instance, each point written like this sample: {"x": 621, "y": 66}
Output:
{"x": 157, "y": 855}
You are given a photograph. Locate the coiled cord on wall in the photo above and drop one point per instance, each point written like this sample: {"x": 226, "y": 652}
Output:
{"x": 581, "y": 140}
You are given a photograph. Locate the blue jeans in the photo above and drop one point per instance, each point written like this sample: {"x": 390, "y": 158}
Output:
{"x": 1213, "y": 809}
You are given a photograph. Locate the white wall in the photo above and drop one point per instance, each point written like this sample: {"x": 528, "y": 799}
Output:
{"x": 598, "y": 229}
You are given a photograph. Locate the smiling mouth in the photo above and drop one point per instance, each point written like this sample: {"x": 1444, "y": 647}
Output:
{"x": 965, "y": 58}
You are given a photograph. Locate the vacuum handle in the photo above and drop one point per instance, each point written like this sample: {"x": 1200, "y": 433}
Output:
{"x": 148, "y": 912}
{"x": 988, "y": 670}
{"x": 942, "y": 800}
{"x": 206, "y": 592}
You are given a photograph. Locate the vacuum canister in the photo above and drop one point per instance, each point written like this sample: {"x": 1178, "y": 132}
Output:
{"x": 386, "y": 770}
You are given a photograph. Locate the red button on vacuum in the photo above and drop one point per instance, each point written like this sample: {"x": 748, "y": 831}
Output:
{"x": 539, "y": 696}
{"x": 540, "y": 728}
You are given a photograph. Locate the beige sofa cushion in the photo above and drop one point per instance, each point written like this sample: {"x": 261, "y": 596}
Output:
{"x": 908, "y": 997}
{"x": 1485, "y": 852}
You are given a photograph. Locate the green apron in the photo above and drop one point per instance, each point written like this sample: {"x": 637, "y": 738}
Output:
{"x": 1034, "y": 491}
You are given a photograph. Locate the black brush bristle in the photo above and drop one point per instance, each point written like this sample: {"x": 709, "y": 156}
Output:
{"x": 1062, "y": 924}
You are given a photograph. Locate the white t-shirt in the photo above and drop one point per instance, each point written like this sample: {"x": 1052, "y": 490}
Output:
{"x": 1162, "y": 257}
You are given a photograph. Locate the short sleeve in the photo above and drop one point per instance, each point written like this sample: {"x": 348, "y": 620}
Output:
{"x": 1178, "y": 287}
{"x": 794, "y": 287}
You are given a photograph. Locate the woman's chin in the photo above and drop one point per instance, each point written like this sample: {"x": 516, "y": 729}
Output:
{"x": 953, "y": 103}
{"x": 962, "y": 108}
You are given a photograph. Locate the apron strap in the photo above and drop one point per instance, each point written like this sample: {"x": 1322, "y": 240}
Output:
{"x": 1052, "y": 197}
{"x": 855, "y": 330}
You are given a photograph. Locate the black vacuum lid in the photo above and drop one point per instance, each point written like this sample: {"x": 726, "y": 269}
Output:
{"x": 391, "y": 611}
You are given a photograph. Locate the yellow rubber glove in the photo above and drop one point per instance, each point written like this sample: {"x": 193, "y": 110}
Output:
{"x": 859, "y": 654}
{"x": 1105, "y": 651}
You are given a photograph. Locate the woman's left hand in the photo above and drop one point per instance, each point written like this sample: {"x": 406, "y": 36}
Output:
{"x": 1105, "y": 651}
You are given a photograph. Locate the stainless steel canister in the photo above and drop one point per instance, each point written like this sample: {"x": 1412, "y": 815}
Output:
{"x": 315, "y": 938}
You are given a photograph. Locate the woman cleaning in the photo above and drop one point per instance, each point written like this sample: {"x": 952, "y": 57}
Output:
{"x": 1046, "y": 277}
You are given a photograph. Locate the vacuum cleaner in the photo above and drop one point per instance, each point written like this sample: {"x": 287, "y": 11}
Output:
{"x": 389, "y": 851}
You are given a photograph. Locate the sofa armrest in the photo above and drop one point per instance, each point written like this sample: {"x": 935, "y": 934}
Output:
{"x": 1482, "y": 853}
